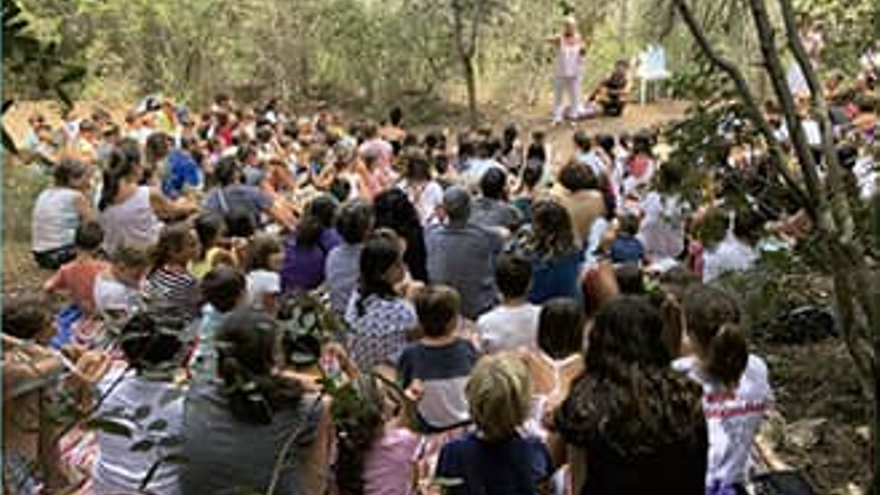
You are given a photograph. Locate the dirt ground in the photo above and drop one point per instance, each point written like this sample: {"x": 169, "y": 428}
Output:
{"x": 815, "y": 384}
{"x": 827, "y": 417}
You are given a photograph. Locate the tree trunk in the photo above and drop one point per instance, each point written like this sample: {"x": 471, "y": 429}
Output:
{"x": 834, "y": 220}
{"x": 854, "y": 288}
{"x": 622, "y": 28}
{"x": 466, "y": 52}
{"x": 471, "y": 81}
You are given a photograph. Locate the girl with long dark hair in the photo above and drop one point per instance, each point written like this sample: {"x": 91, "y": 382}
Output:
{"x": 555, "y": 255}
{"x": 394, "y": 210}
{"x": 636, "y": 426}
{"x": 131, "y": 213}
{"x": 381, "y": 319}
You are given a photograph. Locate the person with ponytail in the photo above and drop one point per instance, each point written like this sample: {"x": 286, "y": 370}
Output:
{"x": 131, "y": 213}
{"x": 254, "y": 430}
{"x": 375, "y": 445}
{"x": 736, "y": 387}
{"x": 169, "y": 286}
{"x": 381, "y": 319}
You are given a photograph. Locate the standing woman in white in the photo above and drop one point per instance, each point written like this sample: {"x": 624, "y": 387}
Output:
{"x": 569, "y": 71}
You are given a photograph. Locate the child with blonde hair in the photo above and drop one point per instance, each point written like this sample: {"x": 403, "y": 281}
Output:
{"x": 497, "y": 458}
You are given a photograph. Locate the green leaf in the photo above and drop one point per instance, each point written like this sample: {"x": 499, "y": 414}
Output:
{"x": 10, "y": 11}
{"x": 178, "y": 459}
{"x": 14, "y": 27}
{"x": 158, "y": 425}
{"x": 142, "y": 445}
{"x": 446, "y": 482}
{"x": 171, "y": 441}
{"x": 109, "y": 427}
{"x": 141, "y": 412}
{"x": 8, "y": 142}
{"x": 309, "y": 321}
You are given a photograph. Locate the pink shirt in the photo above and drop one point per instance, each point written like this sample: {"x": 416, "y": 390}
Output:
{"x": 389, "y": 467}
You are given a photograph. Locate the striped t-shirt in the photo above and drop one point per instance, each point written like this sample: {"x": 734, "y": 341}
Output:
{"x": 173, "y": 290}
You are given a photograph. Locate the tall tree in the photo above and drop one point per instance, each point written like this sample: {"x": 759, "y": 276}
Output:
{"x": 470, "y": 19}
{"x": 845, "y": 255}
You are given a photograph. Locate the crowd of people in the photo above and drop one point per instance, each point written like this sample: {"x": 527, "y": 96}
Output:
{"x": 516, "y": 323}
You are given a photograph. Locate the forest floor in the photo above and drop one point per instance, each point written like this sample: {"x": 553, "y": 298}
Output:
{"x": 824, "y": 430}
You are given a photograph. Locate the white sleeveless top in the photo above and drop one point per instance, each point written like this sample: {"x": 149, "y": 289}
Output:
{"x": 55, "y": 219}
{"x": 568, "y": 63}
{"x": 132, "y": 222}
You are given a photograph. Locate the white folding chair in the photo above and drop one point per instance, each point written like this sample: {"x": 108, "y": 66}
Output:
{"x": 651, "y": 68}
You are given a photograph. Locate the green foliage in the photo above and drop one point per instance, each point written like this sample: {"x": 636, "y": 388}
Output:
{"x": 43, "y": 67}
{"x": 372, "y": 54}
{"x": 306, "y": 322}
{"x": 21, "y": 185}
{"x": 849, "y": 28}
{"x": 780, "y": 282}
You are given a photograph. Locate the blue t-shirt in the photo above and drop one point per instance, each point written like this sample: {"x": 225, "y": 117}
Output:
{"x": 514, "y": 466}
{"x": 180, "y": 171}
{"x": 443, "y": 370}
{"x": 627, "y": 250}
{"x": 556, "y": 277}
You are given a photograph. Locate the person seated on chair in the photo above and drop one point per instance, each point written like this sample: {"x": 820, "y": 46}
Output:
{"x": 613, "y": 91}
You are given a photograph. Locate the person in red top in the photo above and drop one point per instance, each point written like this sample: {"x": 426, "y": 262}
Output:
{"x": 77, "y": 277}
{"x": 76, "y": 280}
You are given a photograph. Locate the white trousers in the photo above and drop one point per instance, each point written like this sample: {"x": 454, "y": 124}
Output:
{"x": 571, "y": 86}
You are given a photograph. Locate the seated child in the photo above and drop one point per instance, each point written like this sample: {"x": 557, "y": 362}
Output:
{"x": 439, "y": 362}
{"x": 627, "y": 248}
{"x": 76, "y": 280}
{"x": 497, "y": 458}
{"x": 514, "y": 323}
{"x": 263, "y": 264}
{"x": 211, "y": 229}
{"x": 557, "y": 360}
{"x": 118, "y": 288}
{"x": 169, "y": 287}
{"x": 224, "y": 289}
{"x": 375, "y": 446}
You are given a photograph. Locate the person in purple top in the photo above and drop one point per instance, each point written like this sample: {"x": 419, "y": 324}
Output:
{"x": 305, "y": 251}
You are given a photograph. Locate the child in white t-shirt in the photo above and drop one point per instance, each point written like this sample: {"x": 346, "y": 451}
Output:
{"x": 513, "y": 323}
{"x": 263, "y": 264}
{"x": 117, "y": 291}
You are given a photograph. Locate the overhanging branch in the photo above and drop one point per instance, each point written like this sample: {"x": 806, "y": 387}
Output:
{"x": 751, "y": 103}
